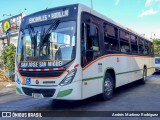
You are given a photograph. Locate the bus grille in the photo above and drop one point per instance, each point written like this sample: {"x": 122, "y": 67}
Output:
{"x": 41, "y": 74}
{"x": 44, "y": 92}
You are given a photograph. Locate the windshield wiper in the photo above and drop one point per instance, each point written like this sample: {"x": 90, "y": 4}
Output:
{"x": 44, "y": 34}
{"x": 53, "y": 26}
{"x": 33, "y": 38}
{"x": 31, "y": 31}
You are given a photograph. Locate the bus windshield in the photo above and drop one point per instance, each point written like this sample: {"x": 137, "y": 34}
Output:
{"x": 48, "y": 42}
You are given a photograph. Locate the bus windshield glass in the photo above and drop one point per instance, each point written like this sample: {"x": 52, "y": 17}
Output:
{"x": 48, "y": 42}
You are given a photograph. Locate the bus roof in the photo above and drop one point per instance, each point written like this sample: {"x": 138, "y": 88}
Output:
{"x": 95, "y": 13}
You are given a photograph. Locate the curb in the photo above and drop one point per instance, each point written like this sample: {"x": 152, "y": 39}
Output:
{"x": 7, "y": 92}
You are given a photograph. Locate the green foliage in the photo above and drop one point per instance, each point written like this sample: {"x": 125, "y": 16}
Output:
{"x": 8, "y": 57}
{"x": 156, "y": 44}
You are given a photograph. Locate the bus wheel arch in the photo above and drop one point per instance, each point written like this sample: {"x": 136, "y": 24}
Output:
{"x": 112, "y": 72}
{"x": 108, "y": 85}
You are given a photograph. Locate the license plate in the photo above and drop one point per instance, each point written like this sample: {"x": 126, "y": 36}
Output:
{"x": 37, "y": 95}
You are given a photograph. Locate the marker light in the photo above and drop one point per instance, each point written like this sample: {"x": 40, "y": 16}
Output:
{"x": 69, "y": 77}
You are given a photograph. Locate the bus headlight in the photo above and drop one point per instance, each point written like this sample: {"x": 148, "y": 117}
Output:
{"x": 69, "y": 77}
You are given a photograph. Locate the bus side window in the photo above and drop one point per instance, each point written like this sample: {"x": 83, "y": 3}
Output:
{"x": 111, "y": 38}
{"x": 141, "y": 46}
{"x": 151, "y": 49}
{"x": 93, "y": 42}
{"x": 146, "y": 48}
{"x": 124, "y": 42}
{"x": 134, "y": 45}
{"x": 83, "y": 44}
{"x": 92, "y": 45}
{"x": 89, "y": 45}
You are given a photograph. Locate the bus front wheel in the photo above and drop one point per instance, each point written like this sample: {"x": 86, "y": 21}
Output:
{"x": 108, "y": 86}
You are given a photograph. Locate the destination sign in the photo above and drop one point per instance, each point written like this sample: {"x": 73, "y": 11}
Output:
{"x": 48, "y": 16}
{"x": 69, "y": 12}
{"x": 41, "y": 64}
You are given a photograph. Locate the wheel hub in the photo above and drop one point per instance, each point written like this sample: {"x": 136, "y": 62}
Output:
{"x": 108, "y": 86}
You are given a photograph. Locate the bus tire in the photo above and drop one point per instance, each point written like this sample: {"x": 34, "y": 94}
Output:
{"x": 143, "y": 80}
{"x": 108, "y": 87}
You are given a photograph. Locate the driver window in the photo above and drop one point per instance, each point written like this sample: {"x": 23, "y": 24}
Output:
{"x": 92, "y": 45}
{"x": 92, "y": 41}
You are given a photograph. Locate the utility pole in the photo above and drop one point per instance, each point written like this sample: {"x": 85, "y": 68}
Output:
{"x": 91, "y": 4}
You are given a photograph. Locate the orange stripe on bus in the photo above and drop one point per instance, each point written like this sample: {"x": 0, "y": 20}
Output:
{"x": 110, "y": 55}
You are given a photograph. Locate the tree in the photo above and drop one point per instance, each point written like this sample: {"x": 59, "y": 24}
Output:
{"x": 156, "y": 44}
{"x": 8, "y": 57}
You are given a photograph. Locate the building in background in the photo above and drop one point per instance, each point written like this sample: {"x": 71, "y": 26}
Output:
{"x": 9, "y": 30}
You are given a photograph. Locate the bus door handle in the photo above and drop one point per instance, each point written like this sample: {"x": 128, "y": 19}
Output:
{"x": 99, "y": 67}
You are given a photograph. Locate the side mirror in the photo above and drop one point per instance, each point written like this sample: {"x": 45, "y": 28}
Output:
{"x": 92, "y": 31}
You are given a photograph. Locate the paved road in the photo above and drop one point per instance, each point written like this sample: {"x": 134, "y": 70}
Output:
{"x": 132, "y": 97}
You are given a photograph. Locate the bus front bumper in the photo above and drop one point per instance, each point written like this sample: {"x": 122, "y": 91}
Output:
{"x": 68, "y": 92}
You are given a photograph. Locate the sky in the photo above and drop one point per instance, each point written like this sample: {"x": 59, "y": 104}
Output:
{"x": 142, "y": 16}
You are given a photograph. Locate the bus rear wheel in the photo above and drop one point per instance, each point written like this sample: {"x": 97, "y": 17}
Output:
{"x": 143, "y": 80}
{"x": 108, "y": 87}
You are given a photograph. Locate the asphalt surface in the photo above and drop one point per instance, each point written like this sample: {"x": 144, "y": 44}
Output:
{"x": 131, "y": 97}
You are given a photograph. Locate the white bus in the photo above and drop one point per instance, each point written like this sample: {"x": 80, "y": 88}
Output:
{"x": 72, "y": 53}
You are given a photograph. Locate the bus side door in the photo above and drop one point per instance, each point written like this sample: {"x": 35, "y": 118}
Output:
{"x": 90, "y": 51}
